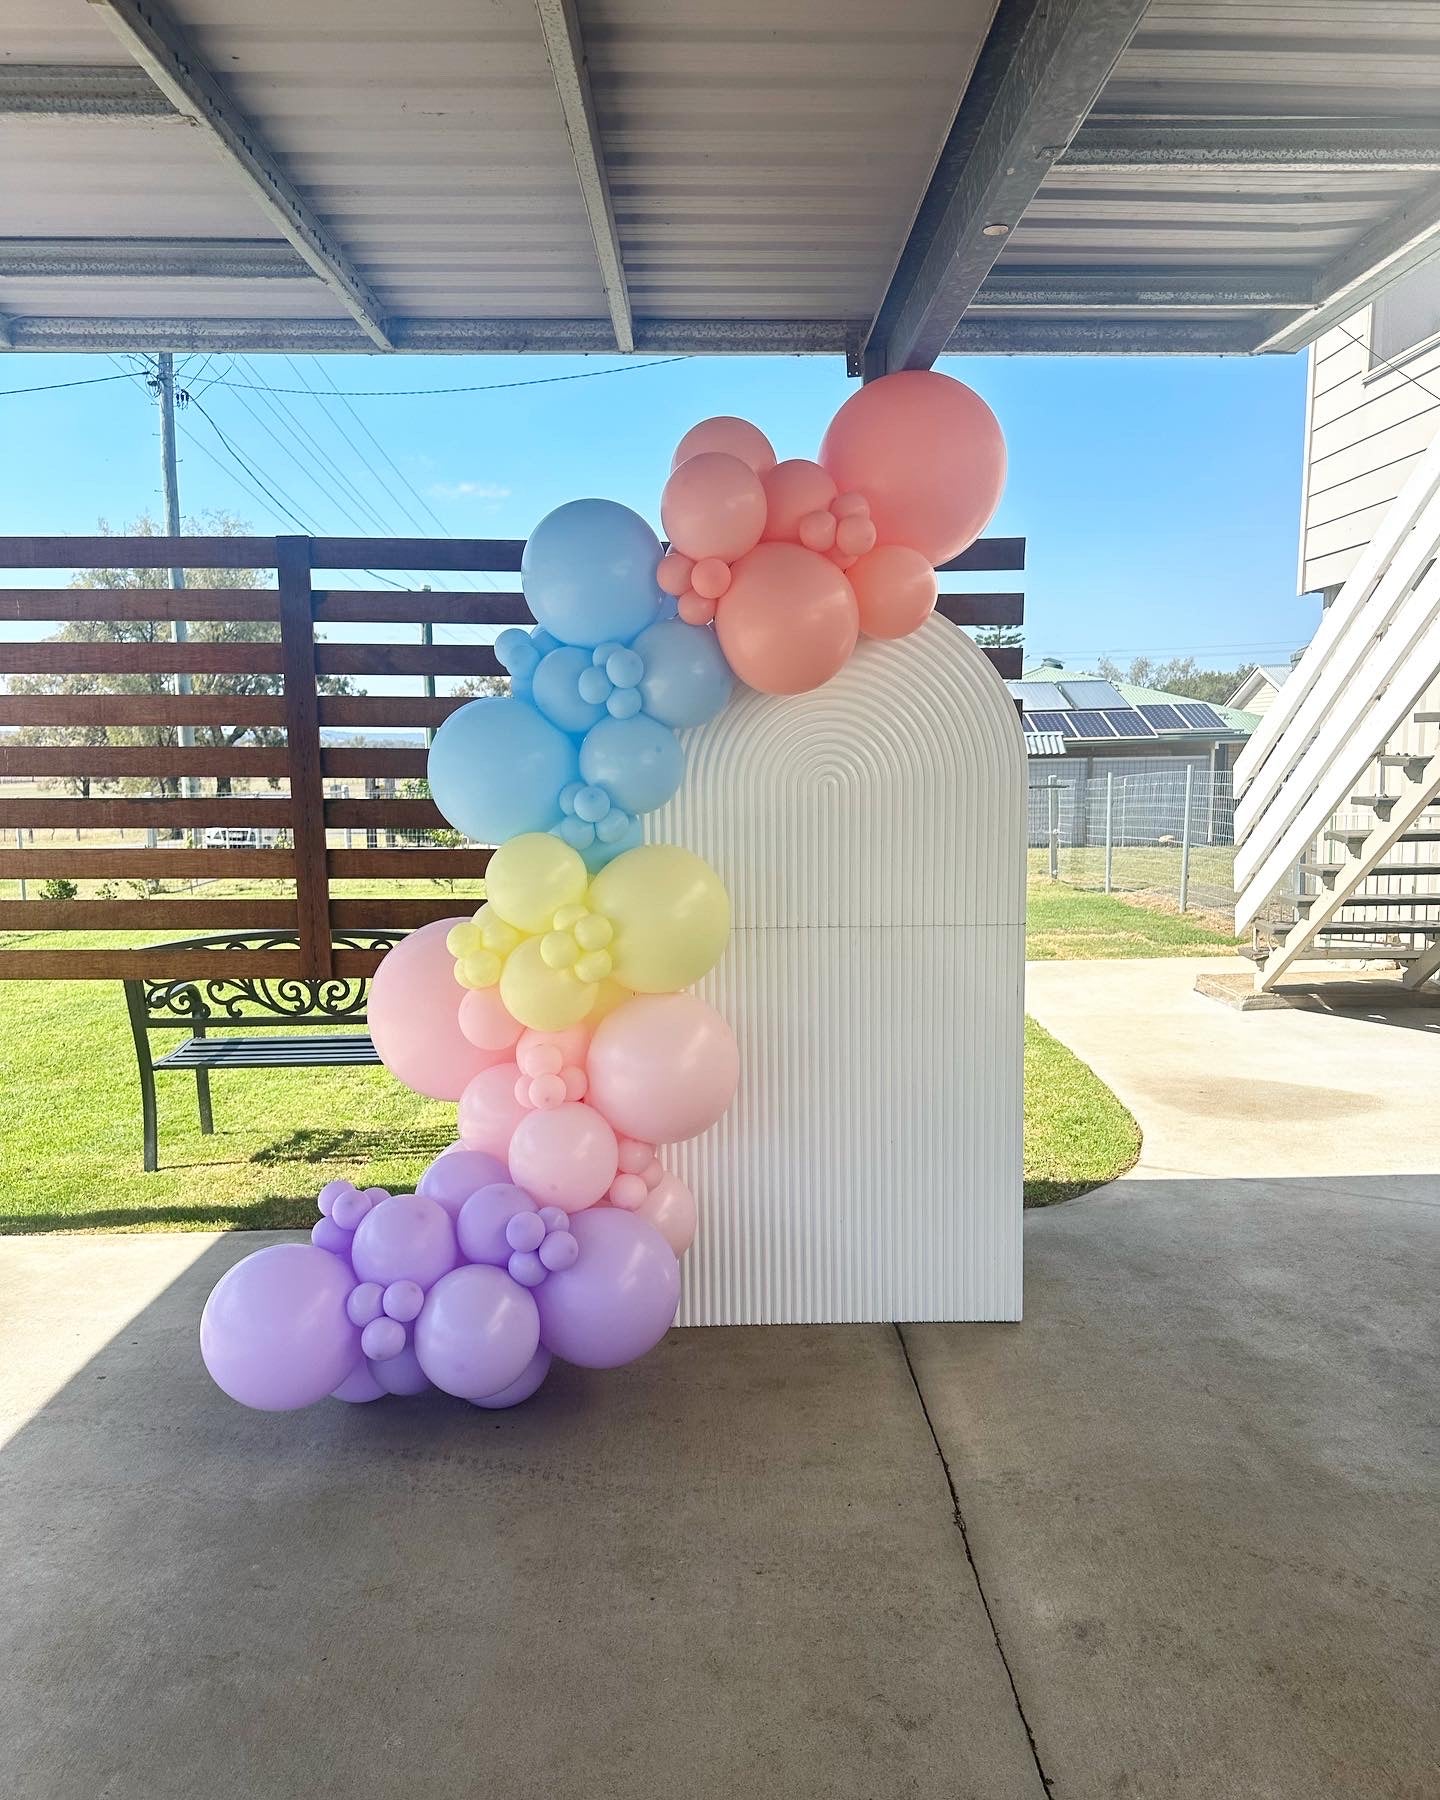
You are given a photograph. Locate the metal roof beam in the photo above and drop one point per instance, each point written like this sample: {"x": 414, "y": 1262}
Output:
{"x": 439, "y": 337}
{"x": 1037, "y": 76}
{"x": 997, "y": 335}
{"x": 565, "y": 48}
{"x": 1015, "y": 289}
{"x": 165, "y": 259}
{"x": 162, "y": 50}
{"x": 1302, "y": 146}
{"x": 60, "y": 91}
{"x": 1401, "y": 242}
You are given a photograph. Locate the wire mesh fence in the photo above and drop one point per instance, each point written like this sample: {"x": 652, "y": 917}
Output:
{"x": 1166, "y": 836}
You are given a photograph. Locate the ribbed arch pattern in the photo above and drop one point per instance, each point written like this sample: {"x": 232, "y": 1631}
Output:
{"x": 871, "y": 835}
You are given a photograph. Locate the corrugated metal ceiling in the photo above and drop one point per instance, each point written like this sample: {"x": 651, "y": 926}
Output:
{"x": 767, "y": 170}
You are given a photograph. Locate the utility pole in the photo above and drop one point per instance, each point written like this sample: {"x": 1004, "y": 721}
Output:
{"x": 165, "y": 393}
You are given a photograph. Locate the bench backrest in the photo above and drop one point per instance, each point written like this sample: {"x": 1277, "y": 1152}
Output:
{"x": 276, "y": 1002}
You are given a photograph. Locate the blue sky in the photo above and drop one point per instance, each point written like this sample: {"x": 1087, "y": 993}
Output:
{"x": 1160, "y": 497}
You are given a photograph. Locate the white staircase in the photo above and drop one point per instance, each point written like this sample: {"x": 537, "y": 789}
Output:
{"x": 1337, "y": 817}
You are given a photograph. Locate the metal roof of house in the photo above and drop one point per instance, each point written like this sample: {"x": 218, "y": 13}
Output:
{"x": 1083, "y": 709}
{"x": 884, "y": 181}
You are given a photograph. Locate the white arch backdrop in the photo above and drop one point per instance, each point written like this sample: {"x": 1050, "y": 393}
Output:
{"x": 871, "y": 835}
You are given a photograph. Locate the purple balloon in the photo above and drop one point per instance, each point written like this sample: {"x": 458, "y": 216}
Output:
{"x": 275, "y": 1334}
{"x": 359, "y": 1386}
{"x": 522, "y": 1387}
{"x": 483, "y": 1219}
{"x": 620, "y": 1296}
{"x": 457, "y": 1173}
{"x": 327, "y": 1235}
{"x": 477, "y": 1333}
{"x": 405, "y": 1238}
{"x": 401, "y": 1374}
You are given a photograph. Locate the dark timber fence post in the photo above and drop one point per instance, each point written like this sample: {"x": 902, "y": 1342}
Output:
{"x": 302, "y": 738}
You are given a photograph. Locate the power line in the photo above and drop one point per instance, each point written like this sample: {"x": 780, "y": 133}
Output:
{"x": 487, "y": 387}
{"x": 51, "y": 387}
{"x": 423, "y": 504}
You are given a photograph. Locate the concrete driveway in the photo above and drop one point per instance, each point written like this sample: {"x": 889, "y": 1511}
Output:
{"x": 1174, "y": 1536}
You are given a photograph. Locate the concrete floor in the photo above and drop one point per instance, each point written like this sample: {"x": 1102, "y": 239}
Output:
{"x": 1179, "y": 1539}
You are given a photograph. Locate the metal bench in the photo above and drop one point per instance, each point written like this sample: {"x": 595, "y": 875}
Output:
{"x": 279, "y": 1018}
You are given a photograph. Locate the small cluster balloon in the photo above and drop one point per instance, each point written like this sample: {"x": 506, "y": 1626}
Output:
{"x": 558, "y": 1017}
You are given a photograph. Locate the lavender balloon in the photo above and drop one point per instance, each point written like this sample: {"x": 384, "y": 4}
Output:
{"x": 275, "y": 1334}
{"x": 619, "y": 1297}
{"x": 405, "y": 1238}
{"x": 477, "y": 1333}
{"x": 522, "y": 1387}
{"x": 458, "y": 1173}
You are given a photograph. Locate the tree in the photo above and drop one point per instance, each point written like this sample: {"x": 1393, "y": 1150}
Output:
{"x": 151, "y": 631}
{"x": 482, "y": 687}
{"x": 999, "y": 637}
{"x": 1181, "y": 675}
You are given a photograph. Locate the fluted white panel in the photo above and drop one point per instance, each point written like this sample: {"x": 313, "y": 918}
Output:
{"x": 871, "y": 837}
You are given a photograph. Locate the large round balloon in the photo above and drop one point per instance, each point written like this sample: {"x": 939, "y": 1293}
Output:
{"x": 489, "y": 1111}
{"x": 663, "y": 1068}
{"x": 275, "y": 1334}
{"x": 407, "y": 1237}
{"x": 414, "y": 1015}
{"x": 686, "y": 679}
{"x": 638, "y": 761}
{"x": 618, "y": 1299}
{"x": 555, "y": 690}
{"x": 524, "y": 1385}
{"x": 928, "y": 455}
{"x": 478, "y": 1332}
{"x": 670, "y": 1208}
{"x": 497, "y": 767}
{"x": 713, "y": 505}
{"x": 588, "y": 571}
{"x": 671, "y": 916}
{"x": 895, "y": 589}
{"x": 565, "y": 1156}
{"x": 458, "y": 1173}
{"x": 789, "y": 620}
{"x": 735, "y": 437}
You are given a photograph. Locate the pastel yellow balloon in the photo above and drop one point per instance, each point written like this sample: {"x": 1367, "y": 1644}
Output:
{"x": 671, "y": 916}
{"x": 543, "y": 998}
{"x": 532, "y": 877}
{"x": 608, "y": 995}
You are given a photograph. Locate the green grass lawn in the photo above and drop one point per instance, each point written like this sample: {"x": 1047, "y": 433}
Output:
{"x": 70, "y": 1125}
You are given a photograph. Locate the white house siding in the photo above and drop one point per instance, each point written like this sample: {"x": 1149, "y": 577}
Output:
{"x": 1365, "y": 430}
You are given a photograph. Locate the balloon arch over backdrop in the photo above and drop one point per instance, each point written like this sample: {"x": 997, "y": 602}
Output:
{"x": 558, "y": 1017}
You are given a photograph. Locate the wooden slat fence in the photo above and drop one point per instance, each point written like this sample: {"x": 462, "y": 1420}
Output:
{"x": 300, "y": 819}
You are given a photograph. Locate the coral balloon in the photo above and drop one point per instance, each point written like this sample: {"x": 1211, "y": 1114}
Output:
{"x": 713, "y": 505}
{"x": 484, "y": 1020}
{"x": 415, "y": 1018}
{"x": 670, "y": 1208}
{"x": 618, "y": 1299}
{"x": 566, "y": 1156}
{"x": 275, "y": 1333}
{"x": 928, "y": 455}
{"x": 664, "y": 1068}
{"x": 671, "y": 916}
{"x": 789, "y": 621}
{"x": 793, "y": 489}
{"x": 732, "y": 436}
{"x": 478, "y": 1333}
{"x": 489, "y": 1111}
{"x": 895, "y": 589}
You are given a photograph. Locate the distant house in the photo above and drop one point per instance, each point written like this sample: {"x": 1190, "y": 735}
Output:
{"x": 1259, "y": 688}
{"x": 1101, "y": 727}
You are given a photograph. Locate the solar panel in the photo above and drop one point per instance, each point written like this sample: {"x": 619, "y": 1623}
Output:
{"x": 1203, "y": 718}
{"x": 1089, "y": 725}
{"x": 1090, "y": 695}
{"x": 1163, "y": 718}
{"x": 1127, "y": 723}
{"x": 1045, "y": 721}
{"x": 1031, "y": 694}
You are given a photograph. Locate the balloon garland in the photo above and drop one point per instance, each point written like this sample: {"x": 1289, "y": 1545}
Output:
{"x": 558, "y": 1017}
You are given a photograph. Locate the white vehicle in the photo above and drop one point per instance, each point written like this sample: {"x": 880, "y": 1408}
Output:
{"x": 240, "y": 837}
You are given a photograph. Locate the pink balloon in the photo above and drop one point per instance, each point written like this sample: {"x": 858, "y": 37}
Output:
{"x": 732, "y": 436}
{"x": 789, "y": 621}
{"x": 487, "y": 1022}
{"x": 928, "y": 455}
{"x": 663, "y": 1067}
{"x": 895, "y": 589}
{"x": 793, "y": 489}
{"x": 414, "y": 1013}
{"x": 670, "y": 1208}
{"x": 489, "y": 1111}
{"x": 713, "y": 505}
{"x": 566, "y": 1156}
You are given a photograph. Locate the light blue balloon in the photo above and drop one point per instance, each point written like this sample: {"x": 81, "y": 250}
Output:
{"x": 687, "y": 679}
{"x": 497, "y": 767}
{"x": 638, "y": 761}
{"x": 598, "y": 853}
{"x": 554, "y": 690}
{"x": 589, "y": 572}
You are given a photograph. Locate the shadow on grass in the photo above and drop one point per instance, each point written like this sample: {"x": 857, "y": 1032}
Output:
{"x": 348, "y": 1145}
{"x": 268, "y": 1212}
{"x": 1051, "y": 1193}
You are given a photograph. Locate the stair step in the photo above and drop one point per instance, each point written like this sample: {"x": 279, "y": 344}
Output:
{"x": 1389, "y": 928}
{"x": 1322, "y": 869}
{"x": 1426, "y": 718}
{"x": 1357, "y": 834}
{"x": 1404, "y": 759}
{"x": 1355, "y": 953}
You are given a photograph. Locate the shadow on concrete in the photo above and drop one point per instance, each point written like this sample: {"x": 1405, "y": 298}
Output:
{"x": 729, "y": 1570}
